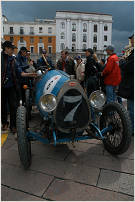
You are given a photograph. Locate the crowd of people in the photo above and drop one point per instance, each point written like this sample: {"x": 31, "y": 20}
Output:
{"x": 113, "y": 74}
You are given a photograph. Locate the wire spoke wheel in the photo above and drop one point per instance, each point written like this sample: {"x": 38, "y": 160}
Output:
{"x": 118, "y": 139}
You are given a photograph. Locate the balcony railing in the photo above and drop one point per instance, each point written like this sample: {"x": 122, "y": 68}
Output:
{"x": 11, "y": 32}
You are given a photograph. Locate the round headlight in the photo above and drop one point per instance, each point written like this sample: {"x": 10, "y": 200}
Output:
{"x": 48, "y": 102}
{"x": 97, "y": 99}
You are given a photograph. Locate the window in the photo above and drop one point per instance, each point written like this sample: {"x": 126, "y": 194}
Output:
{"x": 31, "y": 30}
{"x": 73, "y": 47}
{"x": 95, "y": 39}
{"x": 3, "y": 29}
{"x": 95, "y": 28}
{"x": 40, "y": 29}
{"x": 84, "y": 27}
{"x": 31, "y": 40}
{"x": 49, "y": 30}
{"x": 49, "y": 49}
{"x": 73, "y": 27}
{"x": 105, "y": 28}
{"x": 84, "y": 38}
{"x": 94, "y": 48}
{"x": 11, "y": 30}
{"x": 62, "y": 46}
{"x": 21, "y": 40}
{"x": 32, "y": 49}
{"x": 40, "y": 50}
{"x": 105, "y": 47}
{"x": 40, "y": 40}
{"x": 84, "y": 47}
{"x": 11, "y": 39}
{"x": 49, "y": 39}
{"x": 21, "y": 30}
{"x": 63, "y": 25}
{"x": 73, "y": 37}
{"x": 62, "y": 35}
{"x": 105, "y": 38}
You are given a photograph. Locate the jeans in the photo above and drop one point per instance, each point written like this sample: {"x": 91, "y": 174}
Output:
{"x": 130, "y": 108}
{"x": 110, "y": 93}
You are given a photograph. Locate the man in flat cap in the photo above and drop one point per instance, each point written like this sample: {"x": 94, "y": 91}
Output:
{"x": 10, "y": 74}
{"x": 45, "y": 60}
{"x": 111, "y": 74}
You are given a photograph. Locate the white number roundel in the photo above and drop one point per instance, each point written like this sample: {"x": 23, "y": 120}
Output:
{"x": 51, "y": 83}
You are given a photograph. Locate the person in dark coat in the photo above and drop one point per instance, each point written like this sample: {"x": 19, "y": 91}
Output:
{"x": 24, "y": 65}
{"x": 126, "y": 87}
{"x": 91, "y": 81}
{"x": 10, "y": 74}
{"x": 42, "y": 62}
{"x": 66, "y": 63}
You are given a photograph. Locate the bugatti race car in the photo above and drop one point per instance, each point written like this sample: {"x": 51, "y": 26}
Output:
{"x": 67, "y": 116}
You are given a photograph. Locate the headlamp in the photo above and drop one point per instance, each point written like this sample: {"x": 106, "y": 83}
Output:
{"x": 97, "y": 99}
{"x": 48, "y": 102}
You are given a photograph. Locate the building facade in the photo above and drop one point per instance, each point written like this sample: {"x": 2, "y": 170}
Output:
{"x": 78, "y": 31}
{"x": 74, "y": 31}
{"x": 35, "y": 36}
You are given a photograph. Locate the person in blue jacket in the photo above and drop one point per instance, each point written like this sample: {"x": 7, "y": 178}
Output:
{"x": 10, "y": 75}
{"x": 45, "y": 60}
{"x": 23, "y": 64}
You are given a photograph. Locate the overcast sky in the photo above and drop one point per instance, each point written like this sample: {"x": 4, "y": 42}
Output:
{"x": 121, "y": 11}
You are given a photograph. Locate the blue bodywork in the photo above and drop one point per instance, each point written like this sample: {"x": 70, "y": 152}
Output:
{"x": 41, "y": 84}
{"x": 40, "y": 90}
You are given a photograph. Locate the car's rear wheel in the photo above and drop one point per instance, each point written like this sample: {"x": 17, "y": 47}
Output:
{"x": 116, "y": 141}
{"x": 24, "y": 144}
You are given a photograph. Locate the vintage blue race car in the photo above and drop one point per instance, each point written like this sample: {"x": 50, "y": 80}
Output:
{"x": 68, "y": 116}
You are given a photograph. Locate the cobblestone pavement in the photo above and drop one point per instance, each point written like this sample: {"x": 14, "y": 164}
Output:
{"x": 86, "y": 172}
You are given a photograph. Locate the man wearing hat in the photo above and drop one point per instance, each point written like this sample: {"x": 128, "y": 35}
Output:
{"x": 111, "y": 74}
{"x": 44, "y": 60}
{"x": 10, "y": 72}
{"x": 126, "y": 88}
{"x": 24, "y": 65}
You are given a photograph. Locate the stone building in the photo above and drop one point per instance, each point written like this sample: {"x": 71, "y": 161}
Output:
{"x": 35, "y": 36}
{"x": 77, "y": 31}
{"x": 74, "y": 31}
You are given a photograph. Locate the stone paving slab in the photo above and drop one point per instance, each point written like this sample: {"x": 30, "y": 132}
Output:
{"x": 66, "y": 170}
{"x": 27, "y": 181}
{"x": 63, "y": 190}
{"x": 116, "y": 181}
{"x": 100, "y": 161}
{"x": 91, "y": 148}
{"x": 8, "y": 194}
{"x": 50, "y": 151}
{"x": 11, "y": 157}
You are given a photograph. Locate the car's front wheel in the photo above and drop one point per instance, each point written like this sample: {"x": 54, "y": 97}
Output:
{"x": 24, "y": 145}
{"x": 116, "y": 141}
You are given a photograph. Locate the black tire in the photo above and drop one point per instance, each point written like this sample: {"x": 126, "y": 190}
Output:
{"x": 28, "y": 104}
{"x": 109, "y": 117}
{"x": 24, "y": 145}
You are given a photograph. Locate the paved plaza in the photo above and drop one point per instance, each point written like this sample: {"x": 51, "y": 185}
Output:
{"x": 66, "y": 173}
